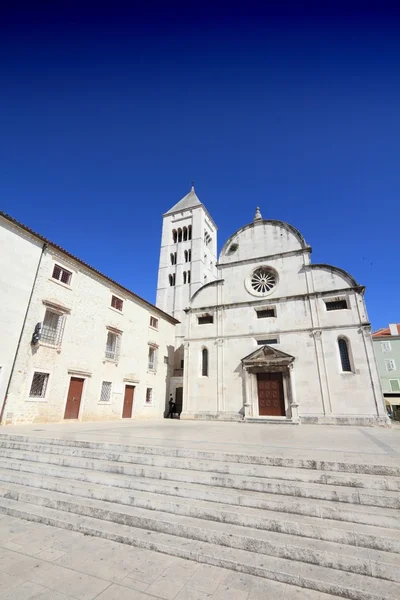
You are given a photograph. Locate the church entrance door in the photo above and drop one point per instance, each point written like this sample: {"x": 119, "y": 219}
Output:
{"x": 270, "y": 395}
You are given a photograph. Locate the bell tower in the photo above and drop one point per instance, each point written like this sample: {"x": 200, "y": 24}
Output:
{"x": 188, "y": 257}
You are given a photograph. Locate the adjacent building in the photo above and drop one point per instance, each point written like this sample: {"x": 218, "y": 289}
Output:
{"x": 387, "y": 351}
{"x": 75, "y": 344}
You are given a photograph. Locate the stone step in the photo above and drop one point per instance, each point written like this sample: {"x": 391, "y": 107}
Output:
{"x": 344, "y": 533}
{"x": 357, "y": 514}
{"x": 323, "y": 579}
{"x": 270, "y": 486}
{"x": 361, "y": 467}
{"x": 363, "y": 561}
{"x": 362, "y": 481}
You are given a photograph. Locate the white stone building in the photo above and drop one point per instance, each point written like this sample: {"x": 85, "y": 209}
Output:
{"x": 104, "y": 352}
{"x": 266, "y": 334}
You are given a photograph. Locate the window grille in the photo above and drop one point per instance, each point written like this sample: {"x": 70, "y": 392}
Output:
{"x": 39, "y": 385}
{"x": 336, "y": 305}
{"x": 149, "y": 395}
{"x": 117, "y": 303}
{"x": 154, "y": 322}
{"x": 206, "y": 319}
{"x": 53, "y": 327}
{"x": 113, "y": 345}
{"x": 344, "y": 354}
{"x": 263, "y": 314}
{"x": 390, "y": 364}
{"x": 386, "y": 346}
{"x": 62, "y": 274}
{"x": 152, "y": 358}
{"x": 394, "y": 385}
{"x": 204, "y": 362}
{"x": 105, "y": 395}
{"x": 267, "y": 342}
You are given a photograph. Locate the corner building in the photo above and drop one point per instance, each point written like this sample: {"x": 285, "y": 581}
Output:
{"x": 264, "y": 334}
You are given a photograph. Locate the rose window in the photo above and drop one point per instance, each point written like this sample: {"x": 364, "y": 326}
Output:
{"x": 263, "y": 280}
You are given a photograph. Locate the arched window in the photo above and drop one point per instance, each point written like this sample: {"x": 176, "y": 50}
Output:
{"x": 185, "y": 234}
{"x": 204, "y": 362}
{"x": 189, "y": 255}
{"x": 184, "y": 276}
{"x": 171, "y": 280}
{"x": 344, "y": 354}
{"x": 189, "y": 232}
{"x": 186, "y": 255}
{"x": 175, "y": 236}
{"x": 179, "y": 235}
{"x": 172, "y": 258}
{"x": 188, "y": 276}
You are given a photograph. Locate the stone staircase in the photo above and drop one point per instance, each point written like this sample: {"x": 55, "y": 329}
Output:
{"x": 332, "y": 526}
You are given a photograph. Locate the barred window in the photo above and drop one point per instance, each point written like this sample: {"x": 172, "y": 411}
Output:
{"x": 62, "y": 274}
{"x": 152, "y": 358}
{"x": 39, "y": 385}
{"x": 344, "y": 354}
{"x": 394, "y": 385}
{"x": 205, "y": 319}
{"x": 105, "y": 395}
{"x": 390, "y": 364}
{"x": 53, "y": 327}
{"x": 336, "y": 305}
{"x": 264, "y": 313}
{"x": 149, "y": 395}
{"x": 386, "y": 346}
{"x": 204, "y": 362}
{"x": 117, "y": 303}
{"x": 113, "y": 345}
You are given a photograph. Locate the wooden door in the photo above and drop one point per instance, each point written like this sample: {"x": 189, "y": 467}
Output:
{"x": 128, "y": 402}
{"x": 74, "y": 398}
{"x": 178, "y": 400}
{"x": 270, "y": 395}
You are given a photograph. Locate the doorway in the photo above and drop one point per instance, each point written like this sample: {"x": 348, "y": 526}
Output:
{"x": 178, "y": 399}
{"x": 271, "y": 401}
{"x": 128, "y": 402}
{"x": 74, "y": 398}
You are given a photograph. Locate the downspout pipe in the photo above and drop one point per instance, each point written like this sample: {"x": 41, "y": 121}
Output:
{"x": 21, "y": 334}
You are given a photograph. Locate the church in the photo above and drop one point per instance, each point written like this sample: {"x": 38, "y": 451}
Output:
{"x": 263, "y": 334}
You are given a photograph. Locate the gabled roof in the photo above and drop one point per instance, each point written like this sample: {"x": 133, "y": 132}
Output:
{"x": 189, "y": 201}
{"x": 267, "y": 355}
{"x": 40, "y": 237}
{"x": 385, "y": 331}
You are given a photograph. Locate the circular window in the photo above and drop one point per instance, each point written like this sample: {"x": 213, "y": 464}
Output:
{"x": 263, "y": 280}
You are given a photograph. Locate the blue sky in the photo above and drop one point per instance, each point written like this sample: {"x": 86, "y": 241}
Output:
{"x": 108, "y": 112}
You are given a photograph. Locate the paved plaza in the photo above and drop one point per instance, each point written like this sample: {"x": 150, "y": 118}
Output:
{"x": 42, "y": 562}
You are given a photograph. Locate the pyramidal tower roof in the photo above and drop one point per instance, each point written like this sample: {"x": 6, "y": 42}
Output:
{"x": 186, "y": 202}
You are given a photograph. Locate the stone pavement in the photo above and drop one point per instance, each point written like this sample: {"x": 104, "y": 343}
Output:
{"x": 38, "y": 562}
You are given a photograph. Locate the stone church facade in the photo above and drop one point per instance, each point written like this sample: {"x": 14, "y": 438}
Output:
{"x": 264, "y": 334}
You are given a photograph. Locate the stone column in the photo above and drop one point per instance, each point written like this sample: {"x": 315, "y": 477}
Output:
{"x": 294, "y": 407}
{"x": 248, "y": 411}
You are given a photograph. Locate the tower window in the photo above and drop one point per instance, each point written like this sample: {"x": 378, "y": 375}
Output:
{"x": 204, "y": 362}
{"x": 175, "y": 236}
{"x": 189, "y": 255}
{"x": 184, "y": 276}
{"x": 173, "y": 258}
{"x": 185, "y": 234}
{"x": 188, "y": 276}
{"x": 207, "y": 238}
{"x": 171, "y": 279}
{"x": 189, "y": 232}
{"x": 179, "y": 235}
{"x": 344, "y": 355}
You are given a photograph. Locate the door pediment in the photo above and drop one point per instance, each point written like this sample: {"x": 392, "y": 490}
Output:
{"x": 266, "y": 356}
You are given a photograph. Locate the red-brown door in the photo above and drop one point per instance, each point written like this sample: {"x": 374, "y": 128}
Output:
{"x": 128, "y": 402}
{"x": 270, "y": 395}
{"x": 74, "y": 398}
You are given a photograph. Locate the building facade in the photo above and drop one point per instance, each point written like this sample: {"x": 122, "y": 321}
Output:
{"x": 387, "y": 351}
{"x": 267, "y": 335}
{"x": 75, "y": 344}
